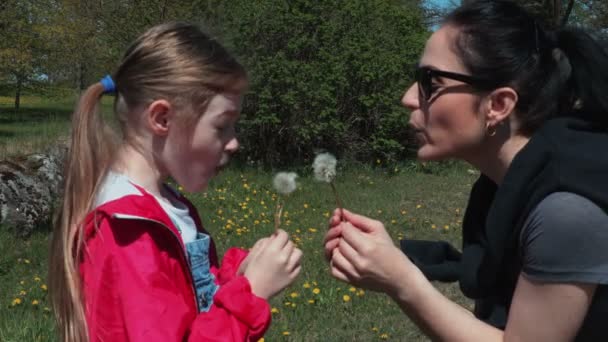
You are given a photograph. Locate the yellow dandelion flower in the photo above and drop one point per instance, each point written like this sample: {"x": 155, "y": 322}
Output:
{"x": 287, "y": 303}
{"x": 446, "y": 227}
{"x": 360, "y": 293}
{"x": 306, "y": 285}
{"x": 27, "y": 261}
{"x": 43, "y": 286}
{"x": 316, "y": 290}
{"x": 352, "y": 289}
{"x": 394, "y": 221}
{"x": 384, "y": 336}
{"x": 418, "y": 206}
{"x": 312, "y": 230}
{"x": 286, "y": 333}
{"x": 36, "y": 278}
{"x": 403, "y": 212}
{"x": 46, "y": 309}
{"x": 326, "y": 214}
{"x": 433, "y": 226}
{"x": 305, "y": 205}
{"x": 16, "y": 301}
{"x": 293, "y": 305}
{"x": 311, "y": 301}
{"x": 294, "y": 295}
{"x": 346, "y": 298}
{"x": 22, "y": 293}
{"x": 261, "y": 340}
{"x": 375, "y": 329}
{"x": 35, "y": 302}
{"x": 274, "y": 310}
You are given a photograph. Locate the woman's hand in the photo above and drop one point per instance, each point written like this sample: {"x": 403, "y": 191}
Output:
{"x": 363, "y": 254}
{"x": 273, "y": 264}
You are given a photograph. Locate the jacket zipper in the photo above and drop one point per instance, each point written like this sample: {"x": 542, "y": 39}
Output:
{"x": 177, "y": 239}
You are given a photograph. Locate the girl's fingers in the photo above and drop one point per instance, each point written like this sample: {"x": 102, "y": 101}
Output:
{"x": 294, "y": 259}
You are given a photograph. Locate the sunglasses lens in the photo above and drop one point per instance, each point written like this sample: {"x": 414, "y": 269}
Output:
{"x": 424, "y": 84}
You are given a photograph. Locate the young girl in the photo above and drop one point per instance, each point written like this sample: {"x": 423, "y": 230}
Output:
{"x": 130, "y": 260}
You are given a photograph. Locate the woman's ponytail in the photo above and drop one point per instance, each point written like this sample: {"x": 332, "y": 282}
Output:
{"x": 589, "y": 77}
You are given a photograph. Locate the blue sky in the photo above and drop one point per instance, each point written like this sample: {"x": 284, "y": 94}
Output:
{"x": 442, "y": 3}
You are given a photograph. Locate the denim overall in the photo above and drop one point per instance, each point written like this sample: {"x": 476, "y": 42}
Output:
{"x": 204, "y": 280}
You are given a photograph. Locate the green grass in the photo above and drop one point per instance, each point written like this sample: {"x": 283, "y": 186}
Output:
{"x": 38, "y": 123}
{"x": 238, "y": 208}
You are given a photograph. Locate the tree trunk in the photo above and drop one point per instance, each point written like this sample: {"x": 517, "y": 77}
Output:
{"x": 18, "y": 93}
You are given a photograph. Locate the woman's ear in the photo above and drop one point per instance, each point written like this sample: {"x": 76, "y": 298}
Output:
{"x": 500, "y": 105}
{"x": 159, "y": 115}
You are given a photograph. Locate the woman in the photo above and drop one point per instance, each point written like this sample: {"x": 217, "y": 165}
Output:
{"x": 529, "y": 109}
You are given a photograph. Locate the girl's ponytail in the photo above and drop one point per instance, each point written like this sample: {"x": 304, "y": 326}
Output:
{"x": 90, "y": 153}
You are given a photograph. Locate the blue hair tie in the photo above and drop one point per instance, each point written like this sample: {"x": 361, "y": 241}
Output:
{"x": 108, "y": 84}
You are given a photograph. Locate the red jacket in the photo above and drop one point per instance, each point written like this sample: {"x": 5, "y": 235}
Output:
{"x": 138, "y": 287}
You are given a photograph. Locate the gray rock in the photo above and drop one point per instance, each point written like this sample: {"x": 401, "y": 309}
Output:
{"x": 29, "y": 190}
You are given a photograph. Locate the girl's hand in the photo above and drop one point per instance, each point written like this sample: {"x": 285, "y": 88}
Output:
{"x": 255, "y": 250}
{"x": 273, "y": 265}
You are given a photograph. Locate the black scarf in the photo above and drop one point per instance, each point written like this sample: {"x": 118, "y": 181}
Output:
{"x": 566, "y": 154}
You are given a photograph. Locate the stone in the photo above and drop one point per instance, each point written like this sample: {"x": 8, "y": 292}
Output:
{"x": 29, "y": 190}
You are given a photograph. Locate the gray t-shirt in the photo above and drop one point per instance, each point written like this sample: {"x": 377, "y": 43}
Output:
{"x": 565, "y": 239}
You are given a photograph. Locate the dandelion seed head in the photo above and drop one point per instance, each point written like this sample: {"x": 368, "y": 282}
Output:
{"x": 285, "y": 182}
{"x": 324, "y": 167}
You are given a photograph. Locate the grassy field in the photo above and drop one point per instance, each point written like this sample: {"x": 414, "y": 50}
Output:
{"x": 238, "y": 209}
{"x": 38, "y": 123}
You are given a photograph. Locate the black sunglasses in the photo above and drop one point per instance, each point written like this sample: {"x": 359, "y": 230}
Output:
{"x": 425, "y": 75}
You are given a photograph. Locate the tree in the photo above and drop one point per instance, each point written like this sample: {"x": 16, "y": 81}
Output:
{"x": 22, "y": 49}
{"x": 325, "y": 75}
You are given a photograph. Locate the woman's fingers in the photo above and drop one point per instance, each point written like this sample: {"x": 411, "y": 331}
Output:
{"x": 356, "y": 239}
{"x": 364, "y": 223}
{"x": 343, "y": 265}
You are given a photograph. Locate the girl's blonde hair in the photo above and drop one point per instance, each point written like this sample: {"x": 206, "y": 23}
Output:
{"x": 176, "y": 62}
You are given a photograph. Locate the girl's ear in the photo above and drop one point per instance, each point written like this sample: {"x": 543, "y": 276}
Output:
{"x": 159, "y": 115}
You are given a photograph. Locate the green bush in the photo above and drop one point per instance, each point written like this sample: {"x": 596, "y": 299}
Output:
{"x": 325, "y": 75}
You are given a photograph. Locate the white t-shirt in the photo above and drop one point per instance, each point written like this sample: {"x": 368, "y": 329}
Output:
{"x": 117, "y": 185}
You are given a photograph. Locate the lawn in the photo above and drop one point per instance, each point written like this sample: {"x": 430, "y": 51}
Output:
{"x": 38, "y": 123}
{"x": 238, "y": 209}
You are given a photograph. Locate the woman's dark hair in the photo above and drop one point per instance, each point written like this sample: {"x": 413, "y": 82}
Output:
{"x": 555, "y": 73}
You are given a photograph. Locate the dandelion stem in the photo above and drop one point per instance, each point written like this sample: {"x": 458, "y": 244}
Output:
{"x": 277, "y": 216}
{"x": 338, "y": 202}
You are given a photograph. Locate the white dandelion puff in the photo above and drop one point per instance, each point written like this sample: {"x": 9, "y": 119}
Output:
{"x": 324, "y": 167}
{"x": 285, "y": 182}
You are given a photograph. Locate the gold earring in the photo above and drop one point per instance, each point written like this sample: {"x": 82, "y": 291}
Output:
{"x": 491, "y": 130}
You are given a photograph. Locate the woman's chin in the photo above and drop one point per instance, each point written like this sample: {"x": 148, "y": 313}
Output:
{"x": 427, "y": 153}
